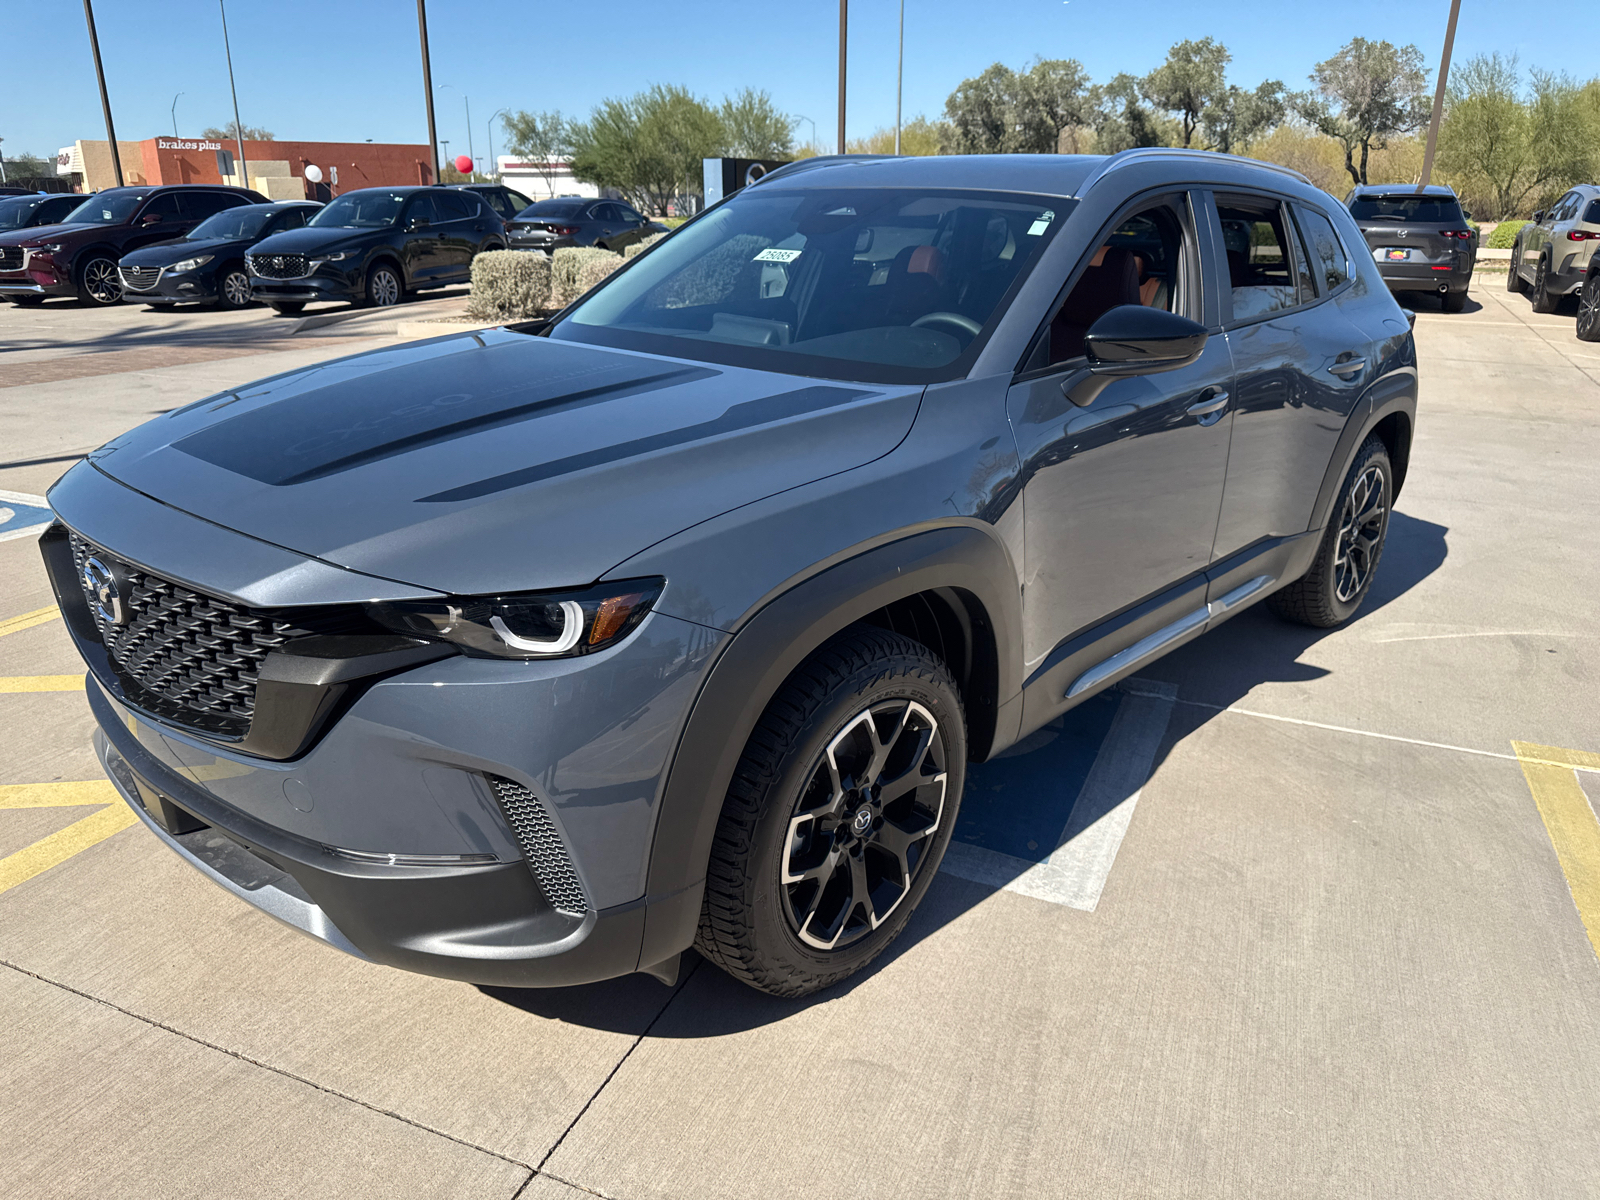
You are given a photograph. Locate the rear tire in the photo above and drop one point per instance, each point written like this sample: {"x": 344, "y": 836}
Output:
{"x": 1589, "y": 309}
{"x": 287, "y": 308}
{"x": 384, "y": 286}
{"x": 1352, "y": 545}
{"x": 1543, "y": 301}
{"x": 1453, "y": 302}
{"x": 837, "y": 816}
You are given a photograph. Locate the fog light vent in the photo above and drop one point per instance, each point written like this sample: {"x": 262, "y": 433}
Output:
{"x": 541, "y": 845}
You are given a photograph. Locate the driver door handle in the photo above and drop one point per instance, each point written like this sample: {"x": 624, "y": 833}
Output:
{"x": 1348, "y": 367}
{"x": 1213, "y": 401}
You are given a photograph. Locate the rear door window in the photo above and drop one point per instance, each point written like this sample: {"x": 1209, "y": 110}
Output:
{"x": 1261, "y": 272}
{"x": 1329, "y": 266}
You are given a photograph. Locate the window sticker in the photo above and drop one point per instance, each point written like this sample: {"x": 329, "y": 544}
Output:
{"x": 1042, "y": 223}
{"x": 773, "y": 254}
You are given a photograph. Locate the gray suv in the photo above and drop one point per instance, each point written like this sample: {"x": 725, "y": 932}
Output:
{"x": 1419, "y": 238}
{"x": 539, "y": 655}
{"x": 1552, "y": 253}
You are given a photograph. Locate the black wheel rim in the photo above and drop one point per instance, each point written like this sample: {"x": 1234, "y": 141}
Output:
{"x": 1361, "y": 528}
{"x": 861, "y": 830}
{"x": 1589, "y": 308}
{"x": 236, "y": 288}
{"x": 101, "y": 282}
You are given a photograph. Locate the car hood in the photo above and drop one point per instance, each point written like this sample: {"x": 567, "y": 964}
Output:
{"x": 307, "y": 240}
{"x": 498, "y": 461}
{"x": 164, "y": 254}
{"x": 47, "y": 233}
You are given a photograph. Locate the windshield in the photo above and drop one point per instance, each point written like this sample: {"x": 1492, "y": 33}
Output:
{"x": 876, "y": 284}
{"x": 553, "y": 208}
{"x": 14, "y": 212}
{"x": 361, "y": 210}
{"x": 247, "y": 220}
{"x": 108, "y": 208}
{"x": 1422, "y": 209}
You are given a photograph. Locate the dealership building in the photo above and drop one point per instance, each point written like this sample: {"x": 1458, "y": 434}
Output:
{"x": 275, "y": 169}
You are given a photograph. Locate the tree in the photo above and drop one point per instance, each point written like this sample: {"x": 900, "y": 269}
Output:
{"x": 1507, "y": 148}
{"x": 28, "y": 166}
{"x": 648, "y": 146}
{"x": 754, "y": 128}
{"x": 1006, "y": 112}
{"x": 1190, "y": 82}
{"x": 543, "y": 139}
{"x": 1363, "y": 96}
{"x": 1240, "y": 117}
{"x": 252, "y": 133}
{"x": 1122, "y": 120}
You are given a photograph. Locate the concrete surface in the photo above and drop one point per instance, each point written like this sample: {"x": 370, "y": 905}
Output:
{"x": 1332, "y": 952}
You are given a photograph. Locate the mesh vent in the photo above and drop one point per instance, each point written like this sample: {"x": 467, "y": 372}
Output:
{"x": 278, "y": 266}
{"x": 541, "y": 845}
{"x": 10, "y": 258}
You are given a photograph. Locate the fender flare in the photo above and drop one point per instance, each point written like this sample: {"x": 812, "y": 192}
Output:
{"x": 1393, "y": 393}
{"x": 753, "y": 665}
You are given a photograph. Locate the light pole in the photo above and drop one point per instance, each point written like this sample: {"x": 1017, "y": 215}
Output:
{"x": 844, "y": 23}
{"x": 813, "y": 124}
{"x": 1438, "y": 95}
{"x": 899, "y": 77}
{"x": 494, "y": 162}
{"x": 175, "y": 114}
{"x": 427, "y": 86}
{"x": 238, "y": 129}
{"x": 105, "y": 99}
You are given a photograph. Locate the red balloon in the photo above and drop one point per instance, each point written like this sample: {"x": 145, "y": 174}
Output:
{"x": 463, "y": 164}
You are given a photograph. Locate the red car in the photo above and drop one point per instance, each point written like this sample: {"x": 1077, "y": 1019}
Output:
{"x": 79, "y": 256}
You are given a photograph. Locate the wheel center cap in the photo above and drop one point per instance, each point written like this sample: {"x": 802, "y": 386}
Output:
{"x": 862, "y": 821}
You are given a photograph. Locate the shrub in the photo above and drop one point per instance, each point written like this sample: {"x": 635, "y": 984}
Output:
{"x": 641, "y": 246}
{"x": 1505, "y": 235}
{"x": 509, "y": 285}
{"x": 567, "y": 272}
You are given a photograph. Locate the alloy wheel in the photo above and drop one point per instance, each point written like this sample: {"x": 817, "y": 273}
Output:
{"x": 1589, "y": 310}
{"x": 236, "y": 289}
{"x": 1361, "y": 528}
{"x": 385, "y": 288}
{"x": 860, "y": 832}
{"x": 101, "y": 281}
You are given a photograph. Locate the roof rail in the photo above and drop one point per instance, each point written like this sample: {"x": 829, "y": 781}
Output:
{"x": 1124, "y": 158}
{"x": 817, "y": 160}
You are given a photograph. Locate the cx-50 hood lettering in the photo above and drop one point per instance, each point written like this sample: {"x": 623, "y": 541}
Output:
{"x": 498, "y": 461}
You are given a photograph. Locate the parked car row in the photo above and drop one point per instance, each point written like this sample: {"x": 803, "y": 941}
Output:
{"x": 230, "y": 246}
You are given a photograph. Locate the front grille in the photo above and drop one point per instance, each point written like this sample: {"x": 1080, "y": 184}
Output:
{"x": 278, "y": 266}
{"x": 541, "y": 846}
{"x": 187, "y": 657}
{"x": 140, "y": 279}
{"x": 10, "y": 258}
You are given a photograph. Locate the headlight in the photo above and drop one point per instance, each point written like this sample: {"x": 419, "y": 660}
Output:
{"x": 534, "y": 625}
{"x": 326, "y": 258}
{"x": 50, "y": 248}
{"x": 190, "y": 264}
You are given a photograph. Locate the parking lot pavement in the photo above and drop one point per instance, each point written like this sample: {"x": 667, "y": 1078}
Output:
{"x": 1291, "y": 914}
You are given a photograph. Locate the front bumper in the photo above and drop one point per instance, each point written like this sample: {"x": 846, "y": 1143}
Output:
{"x": 44, "y": 280}
{"x": 323, "y": 284}
{"x": 191, "y": 287}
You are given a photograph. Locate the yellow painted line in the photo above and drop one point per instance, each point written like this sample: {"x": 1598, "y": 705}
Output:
{"x": 58, "y": 795}
{"x": 58, "y": 847}
{"x": 1570, "y": 821}
{"x": 28, "y": 620}
{"x": 41, "y": 683}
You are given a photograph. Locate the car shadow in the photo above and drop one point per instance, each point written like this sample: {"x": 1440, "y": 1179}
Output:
{"x": 1225, "y": 666}
{"x": 1433, "y": 302}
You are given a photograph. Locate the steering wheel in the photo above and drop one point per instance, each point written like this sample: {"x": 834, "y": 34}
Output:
{"x": 965, "y": 324}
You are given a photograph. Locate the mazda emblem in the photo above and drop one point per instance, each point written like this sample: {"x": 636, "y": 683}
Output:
{"x": 100, "y": 585}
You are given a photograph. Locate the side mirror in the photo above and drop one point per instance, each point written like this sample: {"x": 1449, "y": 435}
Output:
{"x": 416, "y": 223}
{"x": 150, "y": 219}
{"x": 1466, "y": 214}
{"x": 1133, "y": 340}
{"x": 1538, "y": 215}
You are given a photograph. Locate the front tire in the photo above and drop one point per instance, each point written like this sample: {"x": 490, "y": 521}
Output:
{"x": 233, "y": 288}
{"x": 384, "y": 287}
{"x": 1514, "y": 282}
{"x": 1347, "y": 557}
{"x": 98, "y": 282}
{"x": 1589, "y": 309}
{"x": 1543, "y": 301}
{"x": 837, "y": 816}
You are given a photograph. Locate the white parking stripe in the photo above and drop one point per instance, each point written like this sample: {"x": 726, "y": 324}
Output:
{"x": 1076, "y": 871}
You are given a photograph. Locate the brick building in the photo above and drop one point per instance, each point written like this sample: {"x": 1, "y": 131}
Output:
{"x": 275, "y": 169}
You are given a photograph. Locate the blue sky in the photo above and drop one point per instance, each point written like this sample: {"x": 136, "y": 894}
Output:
{"x": 347, "y": 70}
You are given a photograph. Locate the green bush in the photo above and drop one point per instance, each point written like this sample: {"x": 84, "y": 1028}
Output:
{"x": 641, "y": 246}
{"x": 509, "y": 285}
{"x": 1505, "y": 235}
{"x": 567, "y": 271}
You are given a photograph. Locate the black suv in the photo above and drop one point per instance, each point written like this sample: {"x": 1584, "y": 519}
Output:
{"x": 79, "y": 257}
{"x": 207, "y": 266}
{"x": 1419, "y": 238}
{"x": 375, "y": 245}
